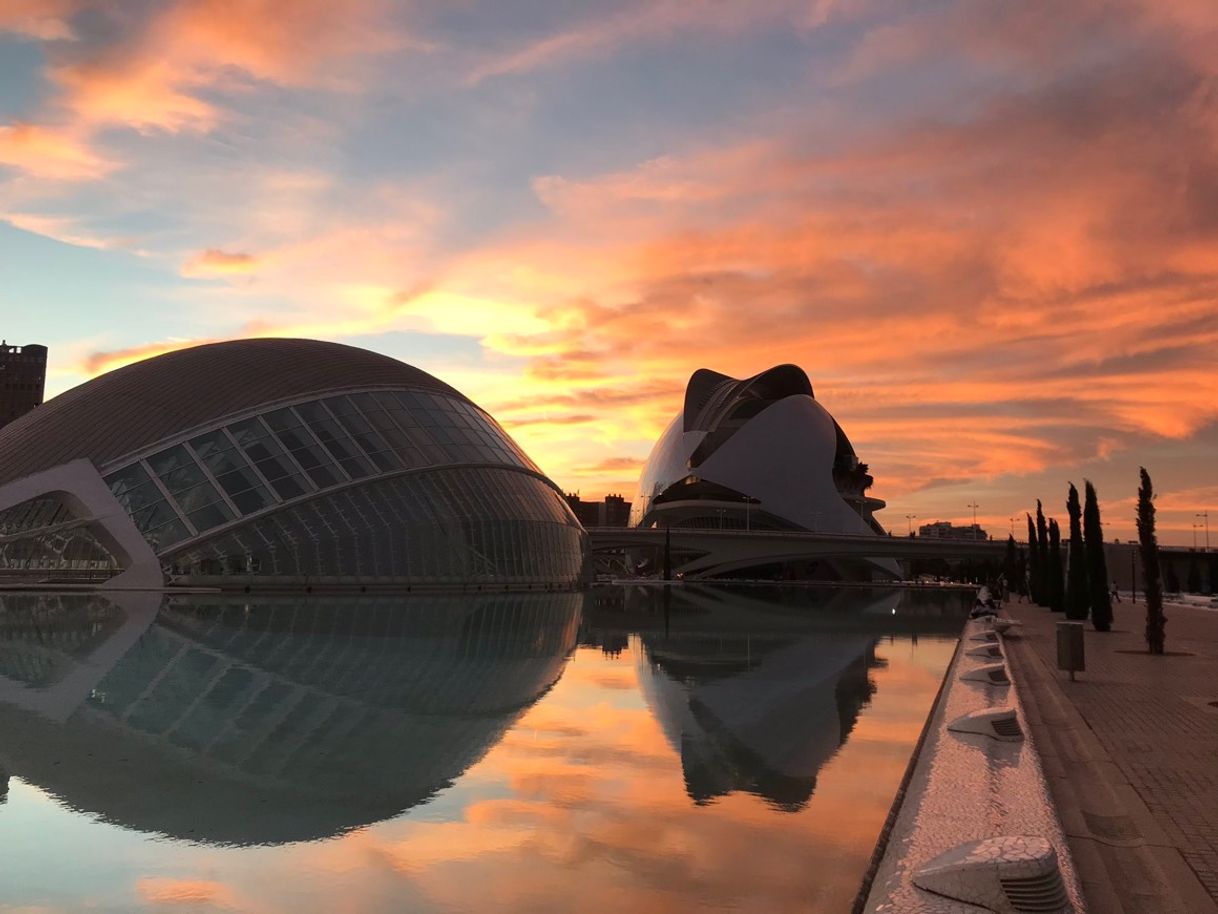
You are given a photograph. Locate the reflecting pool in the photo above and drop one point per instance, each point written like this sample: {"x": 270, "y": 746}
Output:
{"x": 645, "y": 749}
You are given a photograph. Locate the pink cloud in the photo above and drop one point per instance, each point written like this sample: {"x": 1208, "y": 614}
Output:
{"x": 51, "y": 153}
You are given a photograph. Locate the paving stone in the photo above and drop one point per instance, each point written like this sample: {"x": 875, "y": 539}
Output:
{"x": 1152, "y": 717}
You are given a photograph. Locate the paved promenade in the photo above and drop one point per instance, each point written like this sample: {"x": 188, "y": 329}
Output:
{"x": 1131, "y": 752}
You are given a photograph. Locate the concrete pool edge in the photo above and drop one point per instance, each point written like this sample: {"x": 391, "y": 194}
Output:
{"x": 965, "y": 787}
{"x": 898, "y": 800}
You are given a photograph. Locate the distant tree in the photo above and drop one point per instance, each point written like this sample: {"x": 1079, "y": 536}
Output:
{"x": 1171, "y": 580}
{"x": 1194, "y": 575}
{"x": 1097, "y": 564}
{"x": 1033, "y": 575}
{"x": 1057, "y": 583}
{"x": 1078, "y": 598}
{"x": 1149, "y": 547}
{"x": 1042, "y": 556}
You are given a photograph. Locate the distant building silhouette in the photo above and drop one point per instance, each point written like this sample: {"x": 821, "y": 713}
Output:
{"x": 614, "y": 511}
{"x": 945, "y": 530}
{"x": 23, "y": 372}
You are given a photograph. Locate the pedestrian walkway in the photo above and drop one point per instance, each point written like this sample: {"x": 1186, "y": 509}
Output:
{"x": 1131, "y": 750}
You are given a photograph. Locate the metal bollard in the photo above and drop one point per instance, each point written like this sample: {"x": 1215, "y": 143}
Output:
{"x": 1070, "y": 654}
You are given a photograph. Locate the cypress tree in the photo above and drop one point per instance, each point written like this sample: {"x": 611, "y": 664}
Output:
{"x": 1194, "y": 575}
{"x": 1078, "y": 598}
{"x": 1057, "y": 584}
{"x": 1042, "y": 555}
{"x": 1097, "y": 564}
{"x": 1155, "y": 620}
{"x": 1033, "y": 570}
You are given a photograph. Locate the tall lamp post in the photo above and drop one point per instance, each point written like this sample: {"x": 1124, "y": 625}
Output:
{"x": 1205, "y": 515}
{"x": 974, "y": 506}
{"x": 1195, "y": 526}
{"x": 1012, "y": 520}
{"x": 911, "y": 518}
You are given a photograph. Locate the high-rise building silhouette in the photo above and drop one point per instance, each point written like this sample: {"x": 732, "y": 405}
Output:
{"x": 23, "y": 373}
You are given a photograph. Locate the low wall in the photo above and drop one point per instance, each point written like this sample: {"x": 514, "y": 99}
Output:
{"x": 966, "y": 787}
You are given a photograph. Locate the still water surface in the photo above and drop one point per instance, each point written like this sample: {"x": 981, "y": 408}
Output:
{"x": 624, "y": 750}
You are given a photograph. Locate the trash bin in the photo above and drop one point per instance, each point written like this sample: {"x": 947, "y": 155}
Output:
{"x": 1070, "y": 647}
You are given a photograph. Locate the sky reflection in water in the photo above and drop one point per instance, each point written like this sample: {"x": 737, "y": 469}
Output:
{"x": 619, "y": 751}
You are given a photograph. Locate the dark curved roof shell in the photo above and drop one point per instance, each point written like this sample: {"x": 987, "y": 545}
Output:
{"x": 131, "y": 408}
{"x": 710, "y": 396}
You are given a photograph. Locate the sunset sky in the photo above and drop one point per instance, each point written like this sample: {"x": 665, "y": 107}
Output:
{"x": 987, "y": 230}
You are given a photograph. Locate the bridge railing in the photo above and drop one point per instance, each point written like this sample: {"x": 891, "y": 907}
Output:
{"x": 795, "y": 534}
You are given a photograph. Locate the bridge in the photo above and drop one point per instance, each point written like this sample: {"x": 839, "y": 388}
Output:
{"x": 709, "y": 552}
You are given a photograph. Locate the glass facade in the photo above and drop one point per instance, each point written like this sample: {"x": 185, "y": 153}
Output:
{"x": 441, "y": 499}
{"x": 43, "y": 535}
{"x": 456, "y": 525}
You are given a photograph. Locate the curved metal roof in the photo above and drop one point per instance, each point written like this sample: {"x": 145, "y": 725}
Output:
{"x": 131, "y": 408}
{"x": 710, "y": 396}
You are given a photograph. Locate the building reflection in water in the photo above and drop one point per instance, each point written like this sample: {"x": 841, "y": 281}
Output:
{"x": 754, "y": 695}
{"x": 261, "y": 722}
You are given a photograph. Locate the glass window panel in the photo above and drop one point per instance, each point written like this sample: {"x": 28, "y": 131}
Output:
{"x": 126, "y": 479}
{"x": 280, "y": 419}
{"x": 197, "y": 497}
{"x": 269, "y": 457}
{"x": 250, "y": 500}
{"x": 136, "y": 499}
{"x": 173, "y": 460}
{"x": 411, "y": 400}
{"x": 187, "y": 483}
{"x": 153, "y": 515}
{"x": 405, "y": 418}
{"x": 210, "y": 516}
{"x": 341, "y": 406}
{"x": 389, "y": 430}
{"x": 363, "y": 434}
{"x": 300, "y": 442}
{"x": 210, "y": 444}
{"x": 335, "y": 440}
{"x": 166, "y": 535}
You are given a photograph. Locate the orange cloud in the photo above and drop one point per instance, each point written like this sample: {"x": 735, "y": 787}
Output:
{"x": 165, "y": 70}
{"x": 160, "y": 890}
{"x": 49, "y": 153}
{"x": 215, "y": 262}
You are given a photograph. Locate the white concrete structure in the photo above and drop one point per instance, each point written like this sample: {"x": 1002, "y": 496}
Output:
{"x": 757, "y": 454}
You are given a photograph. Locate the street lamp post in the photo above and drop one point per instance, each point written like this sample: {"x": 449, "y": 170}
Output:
{"x": 1012, "y": 520}
{"x": 1205, "y": 515}
{"x": 1195, "y": 526}
{"x": 911, "y": 518}
{"x": 974, "y": 506}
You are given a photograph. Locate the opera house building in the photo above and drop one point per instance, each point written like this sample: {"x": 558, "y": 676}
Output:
{"x": 760, "y": 454}
{"x": 277, "y": 463}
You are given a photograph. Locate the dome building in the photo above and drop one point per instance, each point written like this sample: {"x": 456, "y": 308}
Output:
{"x": 277, "y": 462}
{"x": 758, "y": 454}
